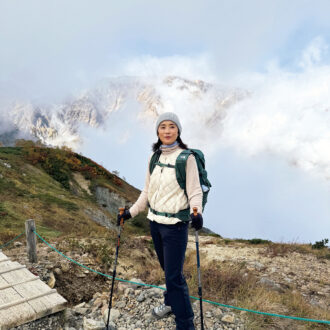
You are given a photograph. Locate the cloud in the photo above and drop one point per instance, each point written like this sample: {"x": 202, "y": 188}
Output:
{"x": 288, "y": 114}
{"x": 314, "y": 53}
{"x": 48, "y": 50}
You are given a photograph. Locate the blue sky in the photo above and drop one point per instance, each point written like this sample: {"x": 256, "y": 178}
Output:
{"x": 277, "y": 50}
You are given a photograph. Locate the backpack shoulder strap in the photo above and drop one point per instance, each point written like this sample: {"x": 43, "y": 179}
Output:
{"x": 180, "y": 168}
{"x": 200, "y": 160}
{"x": 153, "y": 160}
{"x": 199, "y": 157}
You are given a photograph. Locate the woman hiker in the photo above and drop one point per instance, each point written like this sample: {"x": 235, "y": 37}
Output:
{"x": 169, "y": 230}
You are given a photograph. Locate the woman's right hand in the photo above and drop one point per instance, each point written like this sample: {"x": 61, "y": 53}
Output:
{"x": 125, "y": 215}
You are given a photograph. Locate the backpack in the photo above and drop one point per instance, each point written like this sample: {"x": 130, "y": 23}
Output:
{"x": 180, "y": 169}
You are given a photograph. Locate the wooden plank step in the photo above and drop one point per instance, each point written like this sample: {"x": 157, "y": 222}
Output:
{"x": 13, "y": 284}
{"x": 12, "y": 269}
{"x": 18, "y": 275}
{"x": 8, "y": 264}
{"x": 23, "y": 296}
{"x": 23, "y": 300}
{"x": 43, "y": 304}
{"x": 2, "y": 281}
{"x": 16, "y": 315}
{"x": 2, "y": 256}
{"x": 8, "y": 295}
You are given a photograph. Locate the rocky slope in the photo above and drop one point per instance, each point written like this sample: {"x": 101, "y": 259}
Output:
{"x": 281, "y": 271}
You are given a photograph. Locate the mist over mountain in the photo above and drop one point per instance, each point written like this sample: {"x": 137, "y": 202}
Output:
{"x": 58, "y": 124}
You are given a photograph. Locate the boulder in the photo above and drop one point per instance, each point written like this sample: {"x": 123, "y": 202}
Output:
{"x": 227, "y": 318}
{"x": 91, "y": 324}
{"x": 114, "y": 315}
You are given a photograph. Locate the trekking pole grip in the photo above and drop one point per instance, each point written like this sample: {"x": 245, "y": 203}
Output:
{"x": 121, "y": 212}
{"x": 195, "y": 211}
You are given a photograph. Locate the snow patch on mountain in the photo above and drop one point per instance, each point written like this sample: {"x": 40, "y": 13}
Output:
{"x": 58, "y": 124}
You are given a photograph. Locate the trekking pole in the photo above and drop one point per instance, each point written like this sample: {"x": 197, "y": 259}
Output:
{"x": 199, "y": 274}
{"x": 121, "y": 211}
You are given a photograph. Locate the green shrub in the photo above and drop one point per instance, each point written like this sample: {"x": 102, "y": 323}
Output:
{"x": 320, "y": 244}
{"x": 258, "y": 241}
{"x": 11, "y": 150}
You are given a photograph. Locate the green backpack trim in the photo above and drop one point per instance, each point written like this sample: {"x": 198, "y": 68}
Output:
{"x": 183, "y": 215}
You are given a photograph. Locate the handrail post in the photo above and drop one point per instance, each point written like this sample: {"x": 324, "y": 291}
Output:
{"x": 31, "y": 240}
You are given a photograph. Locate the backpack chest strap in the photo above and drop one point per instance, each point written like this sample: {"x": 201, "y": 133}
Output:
{"x": 164, "y": 165}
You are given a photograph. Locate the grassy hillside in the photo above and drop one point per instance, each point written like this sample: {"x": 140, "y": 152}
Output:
{"x": 42, "y": 183}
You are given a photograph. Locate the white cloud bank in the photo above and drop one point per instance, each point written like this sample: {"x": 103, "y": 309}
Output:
{"x": 288, "y": 114}
{"x": 284, "y": 113}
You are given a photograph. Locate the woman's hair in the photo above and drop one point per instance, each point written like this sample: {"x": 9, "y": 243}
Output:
{"x": 156, "y": 145}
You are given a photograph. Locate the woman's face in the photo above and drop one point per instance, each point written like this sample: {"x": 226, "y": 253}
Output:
{"x": 168, "y": 132}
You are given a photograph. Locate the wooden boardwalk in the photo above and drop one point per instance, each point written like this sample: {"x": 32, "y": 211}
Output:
{"x": 23, "y": 296}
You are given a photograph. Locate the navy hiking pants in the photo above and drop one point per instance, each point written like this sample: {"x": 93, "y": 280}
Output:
{"x": 170, "y": 243}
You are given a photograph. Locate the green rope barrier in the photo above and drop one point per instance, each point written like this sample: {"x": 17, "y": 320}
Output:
{"x": 11, "y": 241}
{"x": 90, "y": 269}
{"x": 196, "y": 298}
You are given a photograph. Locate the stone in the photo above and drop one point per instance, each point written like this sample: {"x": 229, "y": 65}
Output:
{"x": 83, "y": 304}
{"x": 128, "y": 291}
{"x": 148, "y": 316}
{"x": 141, "y": 297}
{"x": 104, "y": 308}
{"x": 18, "y": 244}
{"x": 112, "y": 326}
{"x": 90, "y": 324}
{"x": 65, "y": 266}
{"x": 114, "y": 315}
{"x": 96, "y": 295}
{"x": 227, "y": 318}
{"x": 122, "y": 286}
{"x": 81, "y": 310}
{"x": 120, "y": 304}
{"x": 68, "y": 314}
{"x": 154, "y": 292}
{"x": 98, "y": 302}
{"x": 270, "y": 284}
{"x": 208, "y": 314}
{"x": 51, "y": 282}
{"x": 138, "y": 323}
{"x": 218, "y": 312}
{"x": 257, "y": 265}
{"x": 57, "y": 271}
{"x": 134, "y": 286}
{"x": 81, "y": 275}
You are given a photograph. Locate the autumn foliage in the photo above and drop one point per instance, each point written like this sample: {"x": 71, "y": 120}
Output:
{"x": 61, "y": 162}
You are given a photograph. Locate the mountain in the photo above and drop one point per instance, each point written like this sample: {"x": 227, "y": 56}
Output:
{"x": 58, "y": 124}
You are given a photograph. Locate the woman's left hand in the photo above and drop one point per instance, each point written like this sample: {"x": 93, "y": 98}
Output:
{"x": 196, "y": 221}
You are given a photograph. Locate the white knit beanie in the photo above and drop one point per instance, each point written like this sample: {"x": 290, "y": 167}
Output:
{"x": 169, "y": 116}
